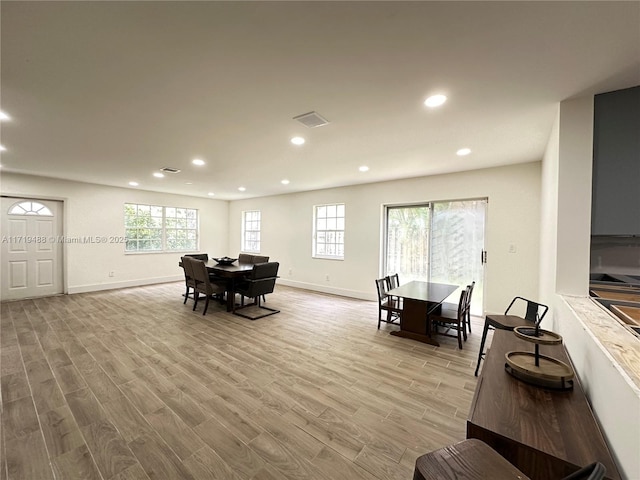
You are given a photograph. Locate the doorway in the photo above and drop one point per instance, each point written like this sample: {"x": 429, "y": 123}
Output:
{"x": 439, "y": 242}
{"x": 31, "y": 251}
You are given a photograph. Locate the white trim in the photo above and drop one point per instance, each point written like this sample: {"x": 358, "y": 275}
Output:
{"x": 129, "y": 283}
{"x": 343, "y": 292}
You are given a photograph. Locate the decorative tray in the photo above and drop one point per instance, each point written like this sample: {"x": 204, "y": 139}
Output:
{"x": 225, "y": 260}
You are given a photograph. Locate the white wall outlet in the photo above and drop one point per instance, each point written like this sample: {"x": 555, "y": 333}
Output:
{"x": 327, "y": 278}
{"x": 111, "y": 274}
{"x": 290, "y": 271}
{"x": 512, "y": 248}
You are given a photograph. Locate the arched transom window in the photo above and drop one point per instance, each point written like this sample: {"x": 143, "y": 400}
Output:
{"x": 30, "y": 208}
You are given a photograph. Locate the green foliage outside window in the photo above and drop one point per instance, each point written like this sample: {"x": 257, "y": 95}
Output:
{"x": 151, "y": 228}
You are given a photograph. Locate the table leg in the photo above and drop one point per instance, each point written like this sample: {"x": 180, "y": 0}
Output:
{"x": 416, "y": 323}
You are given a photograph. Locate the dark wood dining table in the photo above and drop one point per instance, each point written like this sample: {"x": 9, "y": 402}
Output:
{"x": 231, "y": 273}
{"x": 419, "y": 300}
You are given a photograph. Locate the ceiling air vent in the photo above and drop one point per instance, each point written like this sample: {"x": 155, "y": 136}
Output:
{"x": 311, "y": 120}
{"x": 170, "y": 170}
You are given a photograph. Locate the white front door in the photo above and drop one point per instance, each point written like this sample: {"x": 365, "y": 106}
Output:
{"x": 31, "y": 252}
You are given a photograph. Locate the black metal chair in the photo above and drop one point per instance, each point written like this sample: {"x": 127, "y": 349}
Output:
{"x": 534, "y": 313}
{"x": 204, "y": 284}
{"x": 261, "y": 281}
{"x": 390, "y": 305}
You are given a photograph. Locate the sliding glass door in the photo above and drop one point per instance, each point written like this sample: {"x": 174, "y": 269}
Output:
{"x": 438, "y": 242}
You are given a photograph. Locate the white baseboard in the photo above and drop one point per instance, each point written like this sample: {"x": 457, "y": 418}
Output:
{"x": 128, "y": 283}
{"x": 328, "y": 289}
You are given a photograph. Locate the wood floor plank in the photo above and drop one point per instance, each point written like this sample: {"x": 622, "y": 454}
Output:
{"x": 19, "y": 418}
{"x": 27, "y": 458}
{"x": 177, "y": 434}
{"x": 76, "y": 464}
{"x": 157, "y": 459}
{"x": 131, "y": 384}
{"x": 109, "y": 450}
{"x": 61, "y": 433}
{"x": 206, "y": 464}
{"x": 244, "y": 461}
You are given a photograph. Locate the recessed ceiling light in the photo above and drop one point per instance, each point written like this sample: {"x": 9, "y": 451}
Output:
{"x": 197, "y": 161}
{"x": 364, "y": 168}
{"x": 284, "y": 181}
{"x": 134, "y": 184}
{"x": 2, "y": 148}
{"x": 297, "y": 140}
{"x": 242, "y": 189}
{"x": 463, "y": 151}
{"x": 158, "y": 175}
{"x": 4, "y": 117}
{"x": 211, "y": 194}
{"x": 188, "y": 183}
{"x": 435, "y": 100}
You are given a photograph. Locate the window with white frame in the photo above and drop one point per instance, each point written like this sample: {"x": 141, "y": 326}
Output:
{"x": 251, "y": 231}
{"x": 153, "y": 228}
{"x": 328, "y": 234}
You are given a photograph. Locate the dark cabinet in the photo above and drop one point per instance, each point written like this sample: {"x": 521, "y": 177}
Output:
{"x": 615, "y": 208}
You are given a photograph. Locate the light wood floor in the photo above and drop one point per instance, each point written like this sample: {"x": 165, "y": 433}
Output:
{"x": 131, "y": 384}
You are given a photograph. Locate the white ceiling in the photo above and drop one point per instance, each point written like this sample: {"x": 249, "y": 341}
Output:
{"x": 108, "y": 92}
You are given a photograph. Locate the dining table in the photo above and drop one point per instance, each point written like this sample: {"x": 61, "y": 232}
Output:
{"x": 419, "y": 300}
{"x": 230, "y": 272}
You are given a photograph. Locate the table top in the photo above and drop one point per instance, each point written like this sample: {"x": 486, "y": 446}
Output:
{"x": 424, "y": 291}
{"x": 234, "y": 269}
{"x": 557, "y": 423}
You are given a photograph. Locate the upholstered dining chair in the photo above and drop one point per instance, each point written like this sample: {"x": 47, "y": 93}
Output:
{"x": 534, "y": 312}
{"x": 244, "y": 258}
{"x": 199, "y": 256}
{"x": 189, "y": 281}
{"x": 455, "y": 320}
{"x": 260, "y": 282}
{"x": 204, "y": 284}
{"x": 391, "y": 306}
{"x": 259, "y": 259}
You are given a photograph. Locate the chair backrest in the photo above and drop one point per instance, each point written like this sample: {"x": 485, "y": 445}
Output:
{"x": 393, "y": 281}
{"x": 463, "y": 305}
{"x": 533, "y": 309}
{"x": 199, "y": 256}
{"x": 244, "y": 258}
{"x": 469, "y": 293}
{"x": 264, "y": 270}
{"x": 199, "y": 271}
{"x": 382, "y": 285}
{"x": 188, "y": 271}
{"x": 259, "y": 259}
{"x": 595, "y": 471}
{"x": 262, "y": 280}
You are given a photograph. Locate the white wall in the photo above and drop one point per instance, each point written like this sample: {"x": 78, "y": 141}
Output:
{"x": 564, "y": 269}
{"x": 93, "y": 210}
{"x": 513, "y": 218}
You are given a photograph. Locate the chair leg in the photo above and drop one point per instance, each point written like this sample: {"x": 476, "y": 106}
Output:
{"x": 206, "y": 304}
{"x": 464, "y": 329}
{"x": 379, "y": 317}
{"x": 481, "y": 352}
{"x": 460, "y": 336}
{"x": 196, "y": 295}
{"x": 469, "y": 321}
{"x": 186, "y": 296}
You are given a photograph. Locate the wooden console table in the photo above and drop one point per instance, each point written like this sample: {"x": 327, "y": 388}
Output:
{"x": 544, "y": 433}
